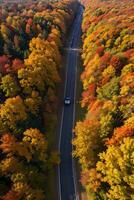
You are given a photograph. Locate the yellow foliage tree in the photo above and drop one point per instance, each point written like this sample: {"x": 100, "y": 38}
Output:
{"x": 13, "y": 111}
{"x": 33, "y": 102}
{"x": 116, "y": 168}
{"x": 36, "y": 142}
{"x": 86, "y": 142}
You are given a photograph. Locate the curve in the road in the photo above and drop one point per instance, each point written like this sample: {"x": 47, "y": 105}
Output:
{"x": 67, "y": 184}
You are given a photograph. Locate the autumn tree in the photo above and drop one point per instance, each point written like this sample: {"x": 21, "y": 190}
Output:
{"x": 9, "y": 86}
{"x": 13, "y": 111}
{"x": 116, "y": 168}
{"x": 87, "y": 147}
{"x": 107, "y": 97}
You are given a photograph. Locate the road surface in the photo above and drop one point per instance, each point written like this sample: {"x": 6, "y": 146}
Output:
{"x": 67, "y": 184}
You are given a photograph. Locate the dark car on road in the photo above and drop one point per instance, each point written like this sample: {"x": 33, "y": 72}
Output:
{"x": 67, "y": 101}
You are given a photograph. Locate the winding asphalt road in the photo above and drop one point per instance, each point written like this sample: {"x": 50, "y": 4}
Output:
{"x": 67, "y": 182}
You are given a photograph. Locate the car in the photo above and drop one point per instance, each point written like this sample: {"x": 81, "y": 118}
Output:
{"x": 67, "y": 101}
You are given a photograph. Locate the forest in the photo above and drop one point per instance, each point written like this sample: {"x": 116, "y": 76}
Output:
{"x": 31, "y": 41}
{"x": 37, "y": 41}
{"x": 104, "y": 139}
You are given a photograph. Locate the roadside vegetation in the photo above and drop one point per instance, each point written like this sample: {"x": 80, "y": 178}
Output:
{"x": 31, "y": 40}
{"x": 104, "y": 142}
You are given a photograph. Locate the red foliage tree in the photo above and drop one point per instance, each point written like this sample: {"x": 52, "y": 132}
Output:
{"x": 11, "y": 195}
{"x": 116, "y": 62}
{"x": 129, "y": 53}
{"x": 17, "y": 64}
{"x": 120, "y": 133}
{"x": 100, "y": 50}
{"x": 105, "y": 60}
{"x": 4, "y": 64}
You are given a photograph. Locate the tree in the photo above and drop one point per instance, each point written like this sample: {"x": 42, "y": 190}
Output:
{"x": 9, "y": 86}
{"x": 91, "y": 179}
{"x": 36, "y": 142}
{"x": 9, "y": 144}
{"x": 40, "y": 69}
{"x": 13, "y": 111}
{"x": 16, "y": 65}
{"x": 116, "y": 167}
{"x": 4, "y": 62}
{"x": 33, "y": 103}
{"x": 87, "y": 142}
{"x": 11, "y": 195}
{"x": 120, "y": 133}
{"x": 6, "y": 32}
{"x": 109, "y": 90}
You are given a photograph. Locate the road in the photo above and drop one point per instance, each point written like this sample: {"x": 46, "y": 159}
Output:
{"x": 67, "y": 181}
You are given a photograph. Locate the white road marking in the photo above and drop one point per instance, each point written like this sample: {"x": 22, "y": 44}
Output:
{"x": 73, "y": 49}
